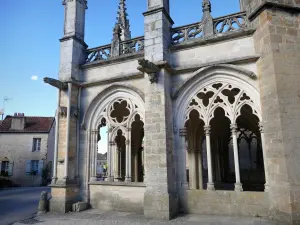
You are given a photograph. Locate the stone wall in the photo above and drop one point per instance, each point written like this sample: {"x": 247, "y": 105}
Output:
{"x": 202, "y": 54}
{"x": 277, "y": 41}
{"x": 117, "y": 197}
{"x": 228, "y": 203}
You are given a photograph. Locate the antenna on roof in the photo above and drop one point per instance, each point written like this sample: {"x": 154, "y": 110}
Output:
{"x": 2, "y": 111}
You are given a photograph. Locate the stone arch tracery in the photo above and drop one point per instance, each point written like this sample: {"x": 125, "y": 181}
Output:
{"x": 212, "y": 89}
{"x": 118, "y": 108}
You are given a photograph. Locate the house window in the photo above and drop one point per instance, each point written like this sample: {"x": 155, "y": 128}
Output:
{"x": 34, "y": 167}
{"x": 36, "y": 144}
{"x": 6, "y": 168}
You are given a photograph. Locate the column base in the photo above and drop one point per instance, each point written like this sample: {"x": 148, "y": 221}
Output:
{"x": 110, "y": 179}
{"x": 163, "y": 206}
{"x": 63, "y": 196}
{"x": 54, "y": 180}
{"x": 93, "y": 178}
{"x": 128, "y": 179}
{"x": 238, "y": 187}
{"x": 211, "y": 187}
{"x": 267, "y": 187}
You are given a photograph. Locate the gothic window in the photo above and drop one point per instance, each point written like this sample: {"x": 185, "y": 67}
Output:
{"x": 224, "y": 109}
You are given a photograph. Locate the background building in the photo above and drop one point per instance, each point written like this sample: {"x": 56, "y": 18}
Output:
{"x": 26, "y": 148}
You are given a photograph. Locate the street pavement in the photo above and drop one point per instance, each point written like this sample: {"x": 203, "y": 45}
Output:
{"x": 19, "y": 203}
{"x": 94, "y": 216}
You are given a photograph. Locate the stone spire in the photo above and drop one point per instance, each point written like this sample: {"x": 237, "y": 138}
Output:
{"x": 123, "y": 22}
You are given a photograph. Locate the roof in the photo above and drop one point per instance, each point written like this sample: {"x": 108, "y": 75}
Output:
{"x": 101, "y": 156}
{"x": 32, "y": 125}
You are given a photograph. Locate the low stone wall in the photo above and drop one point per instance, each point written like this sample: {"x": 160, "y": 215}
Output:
{"x": 128, "y": 197}
{"x": 228, "y": 203}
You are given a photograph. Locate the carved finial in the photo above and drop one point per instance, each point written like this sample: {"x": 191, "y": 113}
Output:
{"x": 206, "y": 5}
{"x": 123, "y": 21}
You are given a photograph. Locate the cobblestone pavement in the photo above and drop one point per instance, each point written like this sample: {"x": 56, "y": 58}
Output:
{"x": 94, "y": 216}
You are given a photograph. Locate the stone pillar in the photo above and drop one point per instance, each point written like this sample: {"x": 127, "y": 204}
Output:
{"x": 54, "y": 177}
{"x": 263, "y": 145}
{"x": 192, "y": 170}
{"x": 161, "y": 200}
{"x": 136, "y": 166}
{"x": 199, "y": 164}
{"x": 237, "y": 185}
{"x": 93, "y": 150}
{"x": 110, "y": 163}
{"x": 277, "y": 41}
{"x": 116, "y": 162}
{"x": 207, "y": 20}
{"x": 128, "y": 159}
{"x": 72, "y": 54}
{"x": 210, "y": 184}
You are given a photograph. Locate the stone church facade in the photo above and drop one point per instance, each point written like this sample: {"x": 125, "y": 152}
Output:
{"x": 202, "y": 118}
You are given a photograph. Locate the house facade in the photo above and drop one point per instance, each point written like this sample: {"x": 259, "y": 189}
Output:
{"x": 26, "y": 148}
{"x": 216, "y": 103}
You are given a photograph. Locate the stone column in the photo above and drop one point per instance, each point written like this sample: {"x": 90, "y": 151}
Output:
{"x": 200, "y": 175}
{"x": 238, "y": 185}
{"x": 192, "y": 170}
{"x": 136, "y": 166}
{"x": 93, "y": 145}
{"x": 110, "y": 163}
{"x": 263, "y": 145}
{"x": 128, "y": 165}
{"x": 161, "y": 200}
{"x": 54, "y": 177}
{"x": 116, "y": 162}
{"x": 210, "y": 184}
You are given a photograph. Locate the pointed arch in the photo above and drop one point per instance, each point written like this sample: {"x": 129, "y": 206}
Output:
{"x": 230, "y": 77}
{"x": 93, "y": 113}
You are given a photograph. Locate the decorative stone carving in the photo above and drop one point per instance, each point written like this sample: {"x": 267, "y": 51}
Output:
{"x": 115, "y": 45}
{"x": 150, "y": 68}
{"x": 182, "y": 132}
{"x": 63, "y": 111}
{"x": 56, "y": 83}
{"x": 207, "y": 130}
{"x": 261, "y": 127}
{"x": 233, "y": 128}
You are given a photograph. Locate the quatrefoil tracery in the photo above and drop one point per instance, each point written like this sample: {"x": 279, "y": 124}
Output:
{"x": 224, "y": 95}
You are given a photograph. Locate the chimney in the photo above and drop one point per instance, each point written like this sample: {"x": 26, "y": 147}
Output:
{"x": 18, "y": 122}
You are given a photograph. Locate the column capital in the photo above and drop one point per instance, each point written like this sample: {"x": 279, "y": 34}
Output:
{"x": 261, "y": 127}
{"x": 127, "y": 142}
{"x": 129, "y": 129}
{"x": 233, "y": 128}
{"x": 112, "y": 143}
{"x": 183, "y": 132}
{"x": 207, "y": 130}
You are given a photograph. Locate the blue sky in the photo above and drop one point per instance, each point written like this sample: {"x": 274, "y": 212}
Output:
{"x": 29, "y": 42}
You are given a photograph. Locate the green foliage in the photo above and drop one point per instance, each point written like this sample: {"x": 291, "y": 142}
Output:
{"x": 4, "y": 174}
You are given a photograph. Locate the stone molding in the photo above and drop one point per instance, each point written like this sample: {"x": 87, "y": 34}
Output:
{"x": 74, "y": 37}
{"x": 198, "y": 73}
{"x": 127, "y": 184}
{"x": 159, "y": 9}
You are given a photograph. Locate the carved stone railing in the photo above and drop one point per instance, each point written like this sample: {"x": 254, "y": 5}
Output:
{"x": 221, "y": 25}
{"x": 233, "y": 22}
{"x": 132, "y": 46}
{"x": 98, "y": 54}
{"x": 188, "y": 32}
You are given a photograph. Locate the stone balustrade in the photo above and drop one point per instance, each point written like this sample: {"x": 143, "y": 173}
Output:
{"x": 132, "y": 46}
{"x": 221, "y": 25}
